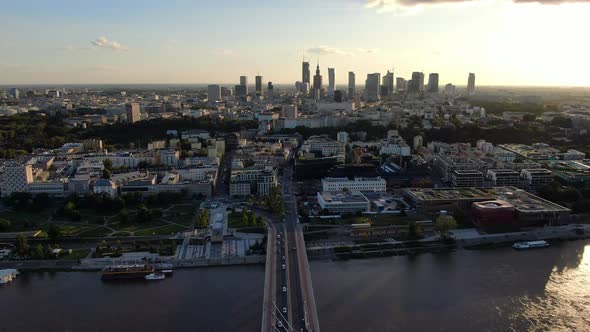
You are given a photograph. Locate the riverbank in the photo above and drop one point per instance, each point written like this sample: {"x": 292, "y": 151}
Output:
{"x": 459, "y": 239}
{"x": 99, "y": 264}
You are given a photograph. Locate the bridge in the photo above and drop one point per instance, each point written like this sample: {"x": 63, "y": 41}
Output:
{"x": 289, "y": 302}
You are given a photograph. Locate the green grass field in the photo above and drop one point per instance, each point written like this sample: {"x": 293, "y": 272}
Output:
{"x": 162, "y": 230}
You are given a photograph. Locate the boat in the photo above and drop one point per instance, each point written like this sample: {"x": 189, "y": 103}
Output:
{"x": 155, "y": 276}
{"x": 167, "y": 272}
{"x": 530, "y": 245}
{"x": 126, "y": 271}
{"x": 8, "y": 275}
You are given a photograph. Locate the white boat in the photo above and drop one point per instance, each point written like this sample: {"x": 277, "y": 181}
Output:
{"x": 8, "y": 275}
{"x": 530, "y": 244}
{"x": 155, "y": 276}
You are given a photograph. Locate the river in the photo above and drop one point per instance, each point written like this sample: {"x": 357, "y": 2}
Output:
{"x": 484, "y": 290}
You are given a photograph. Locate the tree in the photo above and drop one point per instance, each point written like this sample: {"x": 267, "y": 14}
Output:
{"x": 123, "y": 216}
{"x": 4, "y": 225}
{"x": 106, "y": 174}
{"x": 443, "y": 225}
{"x": 108, "y": 164}
{"x": 22, "y": 245}
{"x": 275, "y": 201}
{"x": 143, "y": 214}
{"x": 414, "y": 230}
{"x": 39, "y": 252}
{"x": 54, "y": 233}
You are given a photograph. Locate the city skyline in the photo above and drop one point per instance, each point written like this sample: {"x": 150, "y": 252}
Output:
{"x": 180, "y": 42}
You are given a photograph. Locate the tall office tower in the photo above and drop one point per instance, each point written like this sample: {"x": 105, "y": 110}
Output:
{"x": 226, "y": 92}
{"x": 372, "y": 86}
{"x": 305, "y": 88}
{"x": 298, "y": 86}
{"x": 388, "y": 83}
{"x": 401, "y": 84}
{"x": 338, "y": 96}
{"x": 471, "y": 84}
{"x": 351, "y": 84}
{"x": 133, "y": 112}
{"x": 449, "y": 89}
{"x": 270, "y": 90}
{"x": 305, "y": 73}
{"x": 258, "y": 85}
{"x": 240, "y": 91}
{"x": 244, "y": 82}
{"x": 331, "y": 82}
{"x": 213, "y": 93}
{"x": 15, "y": 93}
{"x": 432, "y": 83}
{"x": 417, "y": 83}
{"x": 317, "y": 83}
{"x": 16, "y": 179}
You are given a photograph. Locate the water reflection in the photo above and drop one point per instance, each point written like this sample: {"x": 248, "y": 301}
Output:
{"x": 565, "y": 303}
{"x": 488, "y": 290}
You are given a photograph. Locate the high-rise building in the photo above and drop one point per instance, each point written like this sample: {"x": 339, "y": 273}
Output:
{"x": 258, "y": 85}
{"x": 388, "y": 84}
{"x": 244, "y": 82}
{"x": 401, "y": 84}
{"x": 270, "y": 90}
{"x": 15, "y": 93}
{"x": 305, "y": 88}
{"x": 471, "y": 84}
{"x": 331, "y": 82}
{"x": 133, "y": 112}
{"x": 372, "y": 86}
{"x": 305, "y": 73}
{"x": 351, "y": 84}
{"x": 338, "y": 96}
{"x": 317, "y": 83}
{"x": 417, "y": 83}
{"x": 449, "y": 89}
{"x": 213, "y": 93}
{"x": 432, "y": 83}
{"x": 240, "y": 91}
{"x": 289, "y": 111}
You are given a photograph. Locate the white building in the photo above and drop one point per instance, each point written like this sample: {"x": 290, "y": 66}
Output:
{"x": 376, "y": 184}
{"x": 343, "y": 203}
{"x": 104, "y": 186}
{"x": 342, "y": 137}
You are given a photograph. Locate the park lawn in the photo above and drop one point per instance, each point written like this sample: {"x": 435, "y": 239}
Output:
{"x": 76, "y": 254}
{"x": 162, "y": 230}
{"x": 72, "y": 229}
{"x": 183, "y": 218}
{"x": 184, "y": 208}
{"x": 95, "y": 232}
{"x": 135, "y": 227}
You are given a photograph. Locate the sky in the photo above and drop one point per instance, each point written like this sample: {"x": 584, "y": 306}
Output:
{"x": 504, "y": 42}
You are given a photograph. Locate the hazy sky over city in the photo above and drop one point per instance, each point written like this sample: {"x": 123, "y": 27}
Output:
{"x": 505, "y": 42}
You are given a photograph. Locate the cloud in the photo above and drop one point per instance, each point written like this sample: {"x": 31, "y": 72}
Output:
{"x": 327, "y": 50}
{"x": 551, "y": 2}
{"x": 104, "y": 42}
{"x": 225, "y": 52}
{"x": 367, "y": 50}
{"x": 412, "y": 6}
{"x": 71, "y": 48}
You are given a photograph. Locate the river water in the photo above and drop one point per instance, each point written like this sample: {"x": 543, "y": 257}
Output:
{"x": 486, "y": 290}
